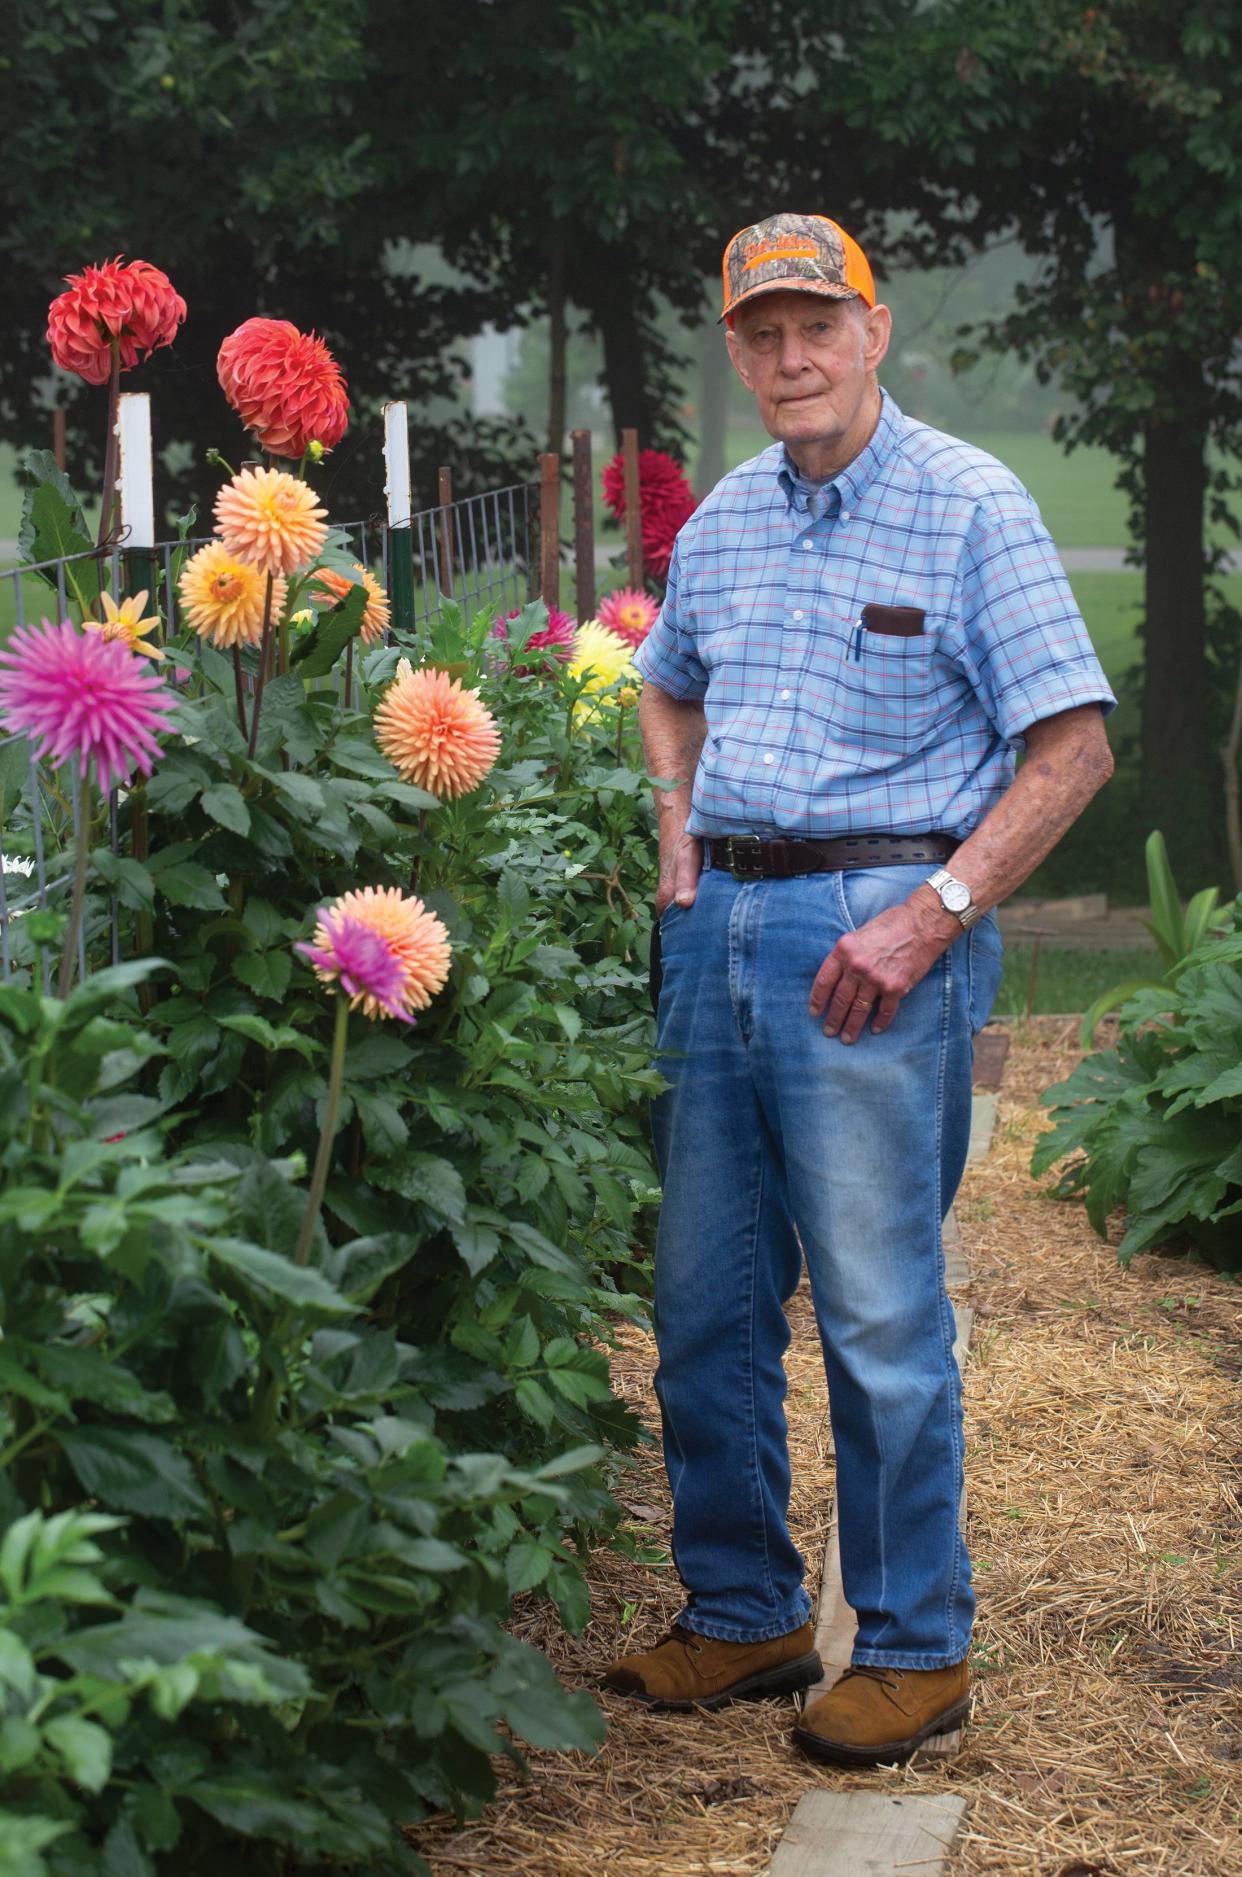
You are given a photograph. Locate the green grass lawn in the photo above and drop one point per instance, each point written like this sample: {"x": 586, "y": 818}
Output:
{"x": 1066, "y": 980}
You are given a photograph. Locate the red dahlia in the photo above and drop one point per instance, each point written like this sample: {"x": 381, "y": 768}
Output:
{"x": 130, "y": 302}
{"x": 285, "y": 385}
{"x": 666, "y": 503}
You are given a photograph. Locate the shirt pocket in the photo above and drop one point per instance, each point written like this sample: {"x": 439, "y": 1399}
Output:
{"x": 891, "y": 691}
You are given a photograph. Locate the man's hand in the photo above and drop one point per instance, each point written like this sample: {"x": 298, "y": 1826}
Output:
{"x": 879, "y": 963}
{"x": 681, "y": 862}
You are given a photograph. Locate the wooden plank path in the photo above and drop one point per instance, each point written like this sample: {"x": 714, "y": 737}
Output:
{"x": 877, "y": 1834}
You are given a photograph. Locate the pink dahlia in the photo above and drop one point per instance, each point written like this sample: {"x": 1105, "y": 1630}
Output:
{"x": 127, "y": 301}
{"x": 78, "y": 693}
{"x": 557, "y": 636}
{"x": 629, "y": 613}
{"x": 354, "y": 955}
{"x": 666, "y": 502}
{"x": 285, "y": 385}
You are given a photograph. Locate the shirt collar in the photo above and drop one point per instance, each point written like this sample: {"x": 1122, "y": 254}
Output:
{"x": 848, "y": 487}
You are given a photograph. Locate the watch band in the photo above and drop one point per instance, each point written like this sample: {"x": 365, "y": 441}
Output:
{"x": 942, "y": 883}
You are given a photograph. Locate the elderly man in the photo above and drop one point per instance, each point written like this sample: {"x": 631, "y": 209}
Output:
{"x": 861, "y": 626}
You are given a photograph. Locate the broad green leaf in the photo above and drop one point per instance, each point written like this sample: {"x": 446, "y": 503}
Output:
{"x": 227, "y": 805}
{"x": 188, "y": 884}
{"x": 476, "y": 1245}
{"x": 86, "y": 1749}
{"x": 279, "y": 1277}
{"x": 265, "y": 973}
{"x": 136, "y": 1471}
{"x": 527, "y": 1563}
{"x": 315, "y": 655}
{"x": 1166, "y": 906}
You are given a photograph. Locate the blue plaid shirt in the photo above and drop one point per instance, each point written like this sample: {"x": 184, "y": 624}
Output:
{"x": 818, "y": 725}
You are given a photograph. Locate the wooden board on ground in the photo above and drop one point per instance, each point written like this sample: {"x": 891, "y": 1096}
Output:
{"x": 956, "y": 1264}
{"x": 868, "y": 1834}
{"x": 982, "y": 1121}
{"x": 991, "y": 1049}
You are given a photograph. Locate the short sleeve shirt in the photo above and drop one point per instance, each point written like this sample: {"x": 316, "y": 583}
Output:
{"x": 821, "y": 718}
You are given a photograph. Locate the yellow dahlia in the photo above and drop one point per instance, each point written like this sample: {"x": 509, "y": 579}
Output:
{"x": 335, "y": 586}
{"x": 416, "y": 938}
{"x": 602, "y": 659}
{"x": 222, "y": 596}
{"x": 439, "y": 736}
{"x": 125, "y": 622}
{"x": 269, "y": 518}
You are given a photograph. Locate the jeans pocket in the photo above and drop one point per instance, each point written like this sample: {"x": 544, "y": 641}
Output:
{"x": 865, "y": 891}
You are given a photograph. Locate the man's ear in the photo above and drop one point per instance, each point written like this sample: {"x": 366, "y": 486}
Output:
{"x": 735, "y": 354}
{"x": 879, "y": 333}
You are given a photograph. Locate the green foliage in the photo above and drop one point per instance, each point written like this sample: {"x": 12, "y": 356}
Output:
{"x": 1155, "y": 1123}
{"x": 1177, "y": 933}
{"x": 311, "y": 1492}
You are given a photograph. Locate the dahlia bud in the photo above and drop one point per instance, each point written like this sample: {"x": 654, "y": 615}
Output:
{"x": 315, "y": 450}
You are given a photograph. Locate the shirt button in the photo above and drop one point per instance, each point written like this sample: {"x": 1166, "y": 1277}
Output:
{"x": 799, "y": 614}
{"x": 845, "y": 514}
{"x": 808, "y": 543}
{"x": 769, "y": 757}
{"x": 786, "y": 693}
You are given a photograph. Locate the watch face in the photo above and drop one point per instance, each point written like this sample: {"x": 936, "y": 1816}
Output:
{"x": 955, "y": 896}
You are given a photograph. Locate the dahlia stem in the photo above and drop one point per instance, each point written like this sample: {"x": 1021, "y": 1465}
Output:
{"x": 108, "y": 505}
{"x": 79, "y": 893}
{"x": 241, "y": 694}
{"x": 319, "y": 1178}
{"x": 264, "y": 642}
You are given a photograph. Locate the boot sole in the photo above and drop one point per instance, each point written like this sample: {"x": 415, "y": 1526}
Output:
{"x": 891, "y": 1753}
{"x": 789, "y": 1679}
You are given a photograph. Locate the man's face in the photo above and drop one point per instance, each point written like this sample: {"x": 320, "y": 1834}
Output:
{"x": 809, "y": 359}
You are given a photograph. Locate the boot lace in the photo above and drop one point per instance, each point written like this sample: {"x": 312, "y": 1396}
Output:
{"x": 890, "y": 1678}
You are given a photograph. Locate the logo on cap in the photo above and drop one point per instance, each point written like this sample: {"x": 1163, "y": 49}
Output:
{"x": 805, "y": 253}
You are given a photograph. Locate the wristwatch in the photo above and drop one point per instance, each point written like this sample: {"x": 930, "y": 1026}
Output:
{"x": 955, "y": 896}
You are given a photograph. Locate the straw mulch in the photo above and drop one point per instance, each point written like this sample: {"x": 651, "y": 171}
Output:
{"x": 1103, "y": 1480}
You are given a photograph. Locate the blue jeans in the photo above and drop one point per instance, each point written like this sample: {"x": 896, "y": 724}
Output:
{"x": 771, "y": 1133}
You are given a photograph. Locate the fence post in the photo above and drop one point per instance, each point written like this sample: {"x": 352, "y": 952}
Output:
{"x": 444, "y": 486}
{"x": 633, "y": 507}
{"x": 550, "y": 529}
{"x": 584, "y": 527}
{"x": 400, "y": 535}
{"x": 135, "y": 480}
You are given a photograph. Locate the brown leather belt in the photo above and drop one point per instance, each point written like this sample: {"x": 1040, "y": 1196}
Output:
{"x": 747, "y": 857}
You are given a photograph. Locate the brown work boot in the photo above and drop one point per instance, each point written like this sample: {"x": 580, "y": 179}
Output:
{"x": 875, "y": 1716}
{"x": 688, "y": 1671}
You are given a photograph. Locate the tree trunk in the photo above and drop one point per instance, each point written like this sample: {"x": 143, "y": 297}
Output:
{"x": 556, "y": 342}
{"x": 616, "y": 318}
{"x": 715, "y": 375}
{"x": 1178, "y": 770}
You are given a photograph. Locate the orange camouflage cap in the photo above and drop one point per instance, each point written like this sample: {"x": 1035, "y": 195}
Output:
{"x": 802, "y": 253}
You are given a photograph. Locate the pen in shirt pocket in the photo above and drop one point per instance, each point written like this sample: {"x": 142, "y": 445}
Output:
{"x": 858, "y": 641}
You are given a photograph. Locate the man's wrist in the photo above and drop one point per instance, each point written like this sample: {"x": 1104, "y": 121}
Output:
{"x": 934, "y": 918}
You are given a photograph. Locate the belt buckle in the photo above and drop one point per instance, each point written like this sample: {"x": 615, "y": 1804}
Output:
{"x": 746, "y": 857}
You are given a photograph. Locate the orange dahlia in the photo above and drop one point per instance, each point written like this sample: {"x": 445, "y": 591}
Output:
{"x": 269, "y": 518}
{"x": 285, "y": 385}
{"x": 417, "y": 939}
{"x": 336, "y": 585}
{"x": 439, "y": 736}
{"x": 223, "y": 597}
{"x": 130, "y": 302}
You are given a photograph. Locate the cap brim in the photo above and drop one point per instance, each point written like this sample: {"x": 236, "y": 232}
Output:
{"x": 826, "y": 289}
